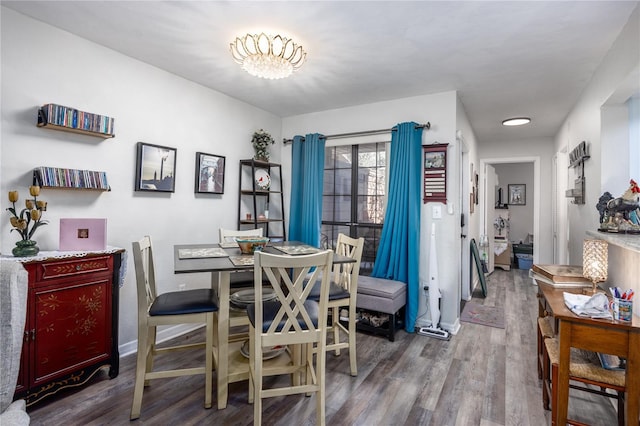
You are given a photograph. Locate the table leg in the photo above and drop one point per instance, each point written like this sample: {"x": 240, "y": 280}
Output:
{"x": 632, "y": 400}
{"x": 562, "y": 402}
{"x": 222, "y": 372}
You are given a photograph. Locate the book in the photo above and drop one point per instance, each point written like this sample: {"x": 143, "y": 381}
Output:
{"x": 561, "y": 273}
{"x": 567, "y": 284}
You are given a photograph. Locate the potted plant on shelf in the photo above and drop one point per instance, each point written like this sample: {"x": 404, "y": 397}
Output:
{"x": 27, "y": 221}
{"x": 261, "y": 141}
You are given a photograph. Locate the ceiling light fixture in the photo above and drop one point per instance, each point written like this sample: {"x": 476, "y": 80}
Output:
{"x": 267, "y": 56}
{"x": 516, "y": 121}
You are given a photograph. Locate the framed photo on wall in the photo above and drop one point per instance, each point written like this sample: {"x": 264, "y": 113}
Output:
{"x": 435, "y": 173}
{"x": 155, "y": 168}
{"x": 517, "y": 194}
{"x": 209, "y": 173}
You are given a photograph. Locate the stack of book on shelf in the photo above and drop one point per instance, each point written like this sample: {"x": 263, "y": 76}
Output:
{"x": 561, "y": 276}
{"x": 56, "y": 177}
{"x": 72, "y": 118}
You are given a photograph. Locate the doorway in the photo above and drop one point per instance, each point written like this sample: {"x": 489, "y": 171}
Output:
{"x": 531, "y": 198}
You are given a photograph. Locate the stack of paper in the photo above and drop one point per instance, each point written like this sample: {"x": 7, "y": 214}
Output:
{"x": 561, "y": 276}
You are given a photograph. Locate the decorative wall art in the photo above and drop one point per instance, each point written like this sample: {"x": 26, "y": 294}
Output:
{"x": 209, "y": 173}
{"x": 435, "y": 173}
{"x": 517, "y": 194}
{"x": 155, "y": 168}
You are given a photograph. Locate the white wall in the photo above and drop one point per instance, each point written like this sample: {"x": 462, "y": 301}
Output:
{"x": 584, "y": 123}
{"x": 520, "y": 217}
{"x": 438, "y": 109}
{"x": 148, "y": 105}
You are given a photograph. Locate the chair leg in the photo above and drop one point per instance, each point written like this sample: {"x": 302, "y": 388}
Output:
{"x": 320, "y": 396}
{"x": 546, "y": 384}
{"x": 392, "y": 327}
{"x": 208, "y": 372}
{"x": 554, "y": 393}
{"x": 141, "y": 368}
{"x": 621, "y": 413}
{"x": 352, "y": 340}
{"x": 335, "y": 319}
{"x": 540, "y": 351}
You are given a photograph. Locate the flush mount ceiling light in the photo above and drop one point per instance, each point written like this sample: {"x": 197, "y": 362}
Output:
{"x": 267, "y": 56}
{"x": 516, "y": 121}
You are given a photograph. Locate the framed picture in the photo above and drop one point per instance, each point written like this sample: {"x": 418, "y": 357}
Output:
{"x": 517, "y": 194}
{"x": 155, "y": 168}
{"x": 435, "y": 173}
{"x": 209, "y": 173}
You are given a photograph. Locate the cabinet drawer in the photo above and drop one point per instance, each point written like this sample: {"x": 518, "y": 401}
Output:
{"x": 73, "y": 267}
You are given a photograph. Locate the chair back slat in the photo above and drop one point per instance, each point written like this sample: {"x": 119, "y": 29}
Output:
{"x": 346, "y": 274}
{"x": 288, "y": 276}
{"x": 145, "y": 273}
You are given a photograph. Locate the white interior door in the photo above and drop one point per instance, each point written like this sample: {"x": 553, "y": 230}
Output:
{"x": 490, "y": 181}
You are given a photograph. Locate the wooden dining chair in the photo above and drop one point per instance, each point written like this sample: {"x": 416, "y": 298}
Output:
{"x": 585, "y": 374}
{"x": 293, "y": 320}
{"x": 179, "y": 307}
{"x": 229, "y": 235}
{"x": 343, "y": 292}
{"x": 239, "y": 279}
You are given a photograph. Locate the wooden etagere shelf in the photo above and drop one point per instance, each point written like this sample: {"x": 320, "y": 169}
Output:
{"x": 261, "y": 201}
{"x": 59, "y": 117}
{"x": 57, "y": 177}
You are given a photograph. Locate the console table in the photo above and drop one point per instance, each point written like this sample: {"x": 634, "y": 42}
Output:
{"x": 71, "y": 328}
{"x": 597, "y": 335}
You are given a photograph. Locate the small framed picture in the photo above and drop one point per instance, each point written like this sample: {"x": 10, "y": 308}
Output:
{"x": 155, "y": 168}
{"x": 209, "y": 173}
{"x": 517, "y": 194}
{"x": 435, "y": 173}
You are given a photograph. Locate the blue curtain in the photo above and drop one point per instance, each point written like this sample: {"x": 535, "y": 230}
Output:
{"x": 399, "y": 249}
{"x": 307, "y": 169}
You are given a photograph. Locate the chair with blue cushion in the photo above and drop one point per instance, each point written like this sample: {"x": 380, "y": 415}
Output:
{"x": 292, "y": 320}
{"x": 178, "y": 307}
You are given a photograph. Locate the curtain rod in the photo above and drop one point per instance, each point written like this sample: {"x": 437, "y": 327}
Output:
{"x": 361, "y": 133}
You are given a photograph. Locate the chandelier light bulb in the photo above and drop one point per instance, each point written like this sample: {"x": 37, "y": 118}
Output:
{"x": 267, "y": 56}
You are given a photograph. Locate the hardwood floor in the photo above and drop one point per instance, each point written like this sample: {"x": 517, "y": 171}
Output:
{"x": 482, "y": 376}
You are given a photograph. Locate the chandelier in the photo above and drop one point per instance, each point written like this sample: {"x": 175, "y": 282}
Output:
{"x": 267, "y": 56}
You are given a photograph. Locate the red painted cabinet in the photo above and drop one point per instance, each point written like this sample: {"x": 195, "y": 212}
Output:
{"x": 71, "y": 330}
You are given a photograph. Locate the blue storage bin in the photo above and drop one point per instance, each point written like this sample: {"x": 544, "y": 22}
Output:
{"x": 525, "y": 261}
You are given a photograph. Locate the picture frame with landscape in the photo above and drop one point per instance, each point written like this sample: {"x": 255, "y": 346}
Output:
{"x": 155, "y": 168}
{"x": 209, "y": 173}
{"x": 517, "y": 194}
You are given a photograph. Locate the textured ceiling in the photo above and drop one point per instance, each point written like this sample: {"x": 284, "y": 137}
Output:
{"x": 504, "y": 58}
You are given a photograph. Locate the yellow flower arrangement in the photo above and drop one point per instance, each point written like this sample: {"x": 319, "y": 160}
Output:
{"x": 30, "y": 218}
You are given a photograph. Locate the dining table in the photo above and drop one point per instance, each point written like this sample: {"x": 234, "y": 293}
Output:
{"x": 221, "y": 260}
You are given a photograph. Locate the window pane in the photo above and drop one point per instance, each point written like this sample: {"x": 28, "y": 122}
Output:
{"x": 329, "y": 157}
{"x": 371, "y": 209}
{"x": 342, "y": 157}
{"x": 382, "y": 155}
{"x": 371, "y": 240}
{"x": 343, "y": 182}
{"x": 327, "y": 208}
{"x": 328, "y": 184}
{"x": 343, "y": 209}
{"x": 367, "y": 155}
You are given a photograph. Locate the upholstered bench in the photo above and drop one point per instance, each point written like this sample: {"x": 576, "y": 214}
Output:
{"x": 384, "y": 296}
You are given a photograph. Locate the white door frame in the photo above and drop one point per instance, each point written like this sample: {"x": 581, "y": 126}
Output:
{"x": 536, "y": 195}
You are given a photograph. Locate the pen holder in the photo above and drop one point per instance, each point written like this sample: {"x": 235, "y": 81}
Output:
{"x": 622, "y": 309}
